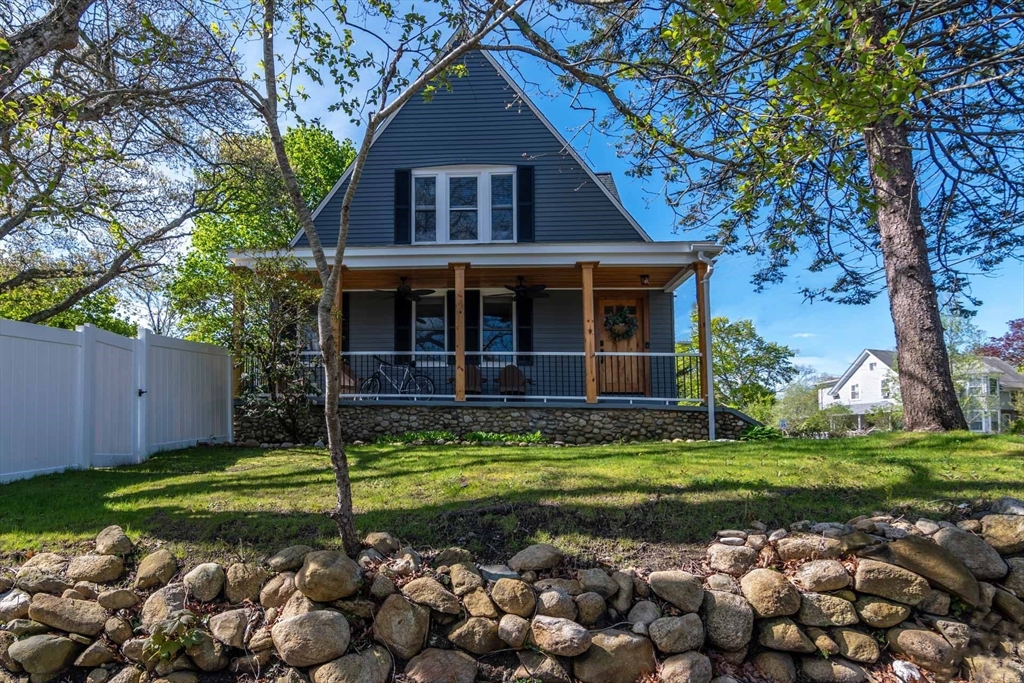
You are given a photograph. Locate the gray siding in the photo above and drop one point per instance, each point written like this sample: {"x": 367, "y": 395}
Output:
{"x": 661, "y": 307}
{"x": 479, "y": 121}
{"x": 558, "y": 322}
{"x": 371, "y": 322}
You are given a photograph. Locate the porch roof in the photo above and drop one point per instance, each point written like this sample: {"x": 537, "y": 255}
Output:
{"x": 666, "y": 265}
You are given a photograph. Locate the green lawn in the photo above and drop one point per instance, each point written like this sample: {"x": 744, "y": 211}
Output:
{"x": 618, "y": 501}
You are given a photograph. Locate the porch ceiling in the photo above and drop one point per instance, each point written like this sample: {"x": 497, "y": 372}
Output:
{"x": 564, "y": 277}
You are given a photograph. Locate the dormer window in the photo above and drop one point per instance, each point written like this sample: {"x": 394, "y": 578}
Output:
{"x": 464, "y": 204}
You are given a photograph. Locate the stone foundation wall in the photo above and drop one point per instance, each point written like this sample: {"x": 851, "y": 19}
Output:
{"x": 876, "y": 599}
{"x": 568, "y": 424}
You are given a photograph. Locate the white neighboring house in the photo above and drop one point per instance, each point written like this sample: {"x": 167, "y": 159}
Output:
{"x": 870, "y": 382}
{"x": 987, "y": 395}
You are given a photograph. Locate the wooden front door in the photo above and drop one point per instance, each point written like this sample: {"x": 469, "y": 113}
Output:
{"x": 621, "y": 374}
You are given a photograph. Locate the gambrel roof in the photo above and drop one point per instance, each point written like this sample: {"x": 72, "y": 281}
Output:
{"x": 484, "y": 119}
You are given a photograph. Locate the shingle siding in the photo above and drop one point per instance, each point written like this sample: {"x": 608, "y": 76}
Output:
{"x": 480, "y": 121}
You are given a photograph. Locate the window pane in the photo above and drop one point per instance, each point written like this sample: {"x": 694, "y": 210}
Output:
{"x": 426, "y": 205}
{"x": 462, "y": 225}
{"x": 496, "y": 336}
{"x": 497, "y": 342}
{"x": 426, "y": 226}
{"x": 501, "y": 224}
{"x": 462, "y": 192}
{"x": 430, "y": 326}
{"x": 426, "y": 192}
{"x": 501, "y": 190}
{"x": 497, "y": 313}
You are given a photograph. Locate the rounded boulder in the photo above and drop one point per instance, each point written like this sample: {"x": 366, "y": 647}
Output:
{"x": 311, "y": 639}
{"x": 770, "y": 594}
{"x": 328, "y": 575}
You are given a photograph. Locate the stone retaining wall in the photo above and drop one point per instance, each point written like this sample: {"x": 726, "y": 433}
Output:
{"x": 876, "y": 598}
{"x": 568, "y": 424}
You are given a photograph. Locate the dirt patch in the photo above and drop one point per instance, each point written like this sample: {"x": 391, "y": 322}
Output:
{"x": 496, "y": 532}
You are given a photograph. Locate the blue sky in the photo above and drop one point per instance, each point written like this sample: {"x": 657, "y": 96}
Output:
{"x": 827, "y": 336}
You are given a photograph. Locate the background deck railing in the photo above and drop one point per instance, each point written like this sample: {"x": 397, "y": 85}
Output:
{"x": 669, "y": 378}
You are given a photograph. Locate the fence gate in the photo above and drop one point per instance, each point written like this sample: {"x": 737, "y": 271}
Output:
{"x": 110, "y": 412}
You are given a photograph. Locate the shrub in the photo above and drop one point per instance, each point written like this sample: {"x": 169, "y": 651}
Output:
{"x": 761, "y": 433}
{"x": 425, "y": 435}
{"x": 478, "y": 437}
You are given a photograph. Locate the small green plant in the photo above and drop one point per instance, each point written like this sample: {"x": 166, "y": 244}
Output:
{"x": 179, "y": 631}
{"x": 426, "y": 435}
{"x": 502, "y": 437}
{"x": 761, "y": 433}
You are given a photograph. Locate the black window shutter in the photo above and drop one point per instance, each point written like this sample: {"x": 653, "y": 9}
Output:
{"x": 403, "y": 207}
{"x": 403, "y": 328}
{"x": 450, "y": 306}
{"x": 524, "y": 329}
{"x": 473, "y": 324}
{"x": 524, "y": 204}
{"x": 346, "y": 317}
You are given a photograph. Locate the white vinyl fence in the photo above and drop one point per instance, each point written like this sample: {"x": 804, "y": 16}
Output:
{"x": 92, "y": 398}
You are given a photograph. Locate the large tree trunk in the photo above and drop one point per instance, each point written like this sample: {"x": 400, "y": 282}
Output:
{"x": 926, "y": 384}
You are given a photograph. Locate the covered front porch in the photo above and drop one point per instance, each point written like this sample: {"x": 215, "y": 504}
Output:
{"x": 520, "y": 322}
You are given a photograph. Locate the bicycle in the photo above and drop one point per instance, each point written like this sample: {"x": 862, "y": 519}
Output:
{"x": 409, "y": 383}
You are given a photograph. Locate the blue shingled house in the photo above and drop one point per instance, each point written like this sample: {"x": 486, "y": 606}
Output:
{"x": 487, "y": 262}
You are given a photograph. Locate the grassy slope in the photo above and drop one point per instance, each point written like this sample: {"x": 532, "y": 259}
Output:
{"x": 613, "y": 501}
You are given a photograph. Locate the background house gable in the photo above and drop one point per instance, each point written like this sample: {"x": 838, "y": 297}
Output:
{"x": 482, "y": 120}
{"x": 885, "y": 358}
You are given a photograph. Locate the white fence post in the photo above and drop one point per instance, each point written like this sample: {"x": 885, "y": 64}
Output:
{"x": 87, "y": 406}
{"x": 231, "y": 398}
{"x": 142, "y": 387}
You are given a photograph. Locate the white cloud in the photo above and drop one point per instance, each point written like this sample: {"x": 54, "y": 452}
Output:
{"x": 805, "y": 335}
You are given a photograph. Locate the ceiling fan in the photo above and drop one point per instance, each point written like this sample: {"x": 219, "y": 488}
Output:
{"x": 405, "y": 291}
{"x": 524, "y": 291}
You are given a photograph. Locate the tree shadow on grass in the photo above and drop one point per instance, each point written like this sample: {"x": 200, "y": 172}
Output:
{"x": 204, "y": 501}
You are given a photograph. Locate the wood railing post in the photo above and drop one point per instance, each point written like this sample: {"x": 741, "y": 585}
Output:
{"x": 589, "y": 335}
{"x": 460, "y": 331}
{"x": 700, "y": 271}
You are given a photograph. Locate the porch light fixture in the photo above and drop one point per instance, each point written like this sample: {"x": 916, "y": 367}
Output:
{"x": 645, "y": 280}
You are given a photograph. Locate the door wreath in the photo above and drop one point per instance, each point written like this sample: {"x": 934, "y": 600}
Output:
{"x": 621, "y": 325}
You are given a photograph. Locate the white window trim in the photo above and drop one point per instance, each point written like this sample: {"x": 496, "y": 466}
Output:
{"x": 515, "y": 341}
{"x": 854, "y": 392}
{"x": 483, "y": 174}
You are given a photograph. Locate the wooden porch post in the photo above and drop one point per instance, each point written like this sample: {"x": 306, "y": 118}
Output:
{"x": 700, "y": 271}
{"x": 460, "y": 331}
{"x": 336, "y": 326}
{"x": 589, "y": 337}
